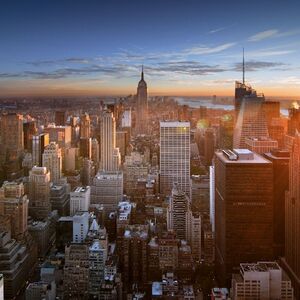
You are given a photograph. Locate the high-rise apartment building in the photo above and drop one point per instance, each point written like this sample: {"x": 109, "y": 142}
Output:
{"x": 174, "y": 156}
{"x": 142, "y": 107}
{"x": 243, "y": 209}
{"x": 39, "y": 193}
{"x": 52, "y": 160}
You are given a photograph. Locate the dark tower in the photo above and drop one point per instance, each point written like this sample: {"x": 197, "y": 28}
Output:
{"x": 142, "y": 106}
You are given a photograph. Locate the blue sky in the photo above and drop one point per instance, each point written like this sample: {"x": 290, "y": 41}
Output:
{"x": 187, "y": 47}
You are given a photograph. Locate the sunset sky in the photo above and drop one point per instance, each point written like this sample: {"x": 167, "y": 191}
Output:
{"x": 187, "y": 47}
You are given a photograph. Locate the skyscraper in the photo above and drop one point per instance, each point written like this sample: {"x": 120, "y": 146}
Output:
{"x": 11, "y": 145}
{"x": 177, "y": 209}
{"x": 251, "y": 120}
{"x": 14, "y": 203}
{"x": 11, "y": 129}
{"x": 142, "y": 106}
{"x": 108, "y": 141}
{"x": 174, "y": 156}
{"x": 243, "y": 209}
{"x": 60, "y": 118}
{"x": 292, "y": 217}
{"x": 39, "y": 142}
{"x": 52, "y": 160}
{"x": 85, "y": 126}
{"x": 39, "y": 193}
{"x": 280, "y": 161}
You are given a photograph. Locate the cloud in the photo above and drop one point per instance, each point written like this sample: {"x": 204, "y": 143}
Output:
{"x": 272, "y": 33}
{"x": 75, "y": 60}
{"x": 191, "y": 68}
{"x": 257, "y": 65}
{"x": 220, "y": 29}
{"x": 207, "y": 50}
{"x": 263, "y": 35}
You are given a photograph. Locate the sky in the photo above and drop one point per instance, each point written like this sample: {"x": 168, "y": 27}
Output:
{"x": 187, "y": 47}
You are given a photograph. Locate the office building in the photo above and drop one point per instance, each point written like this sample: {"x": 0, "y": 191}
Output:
{"x": 16, "y": 261}
{"x": 280, "y": 161}
{"x": 177, "y": 212}
{"x": 262, "y": 280}
{"x": 39, "y": 193}
{"x": 60, "y": 118}
{"x": 95, "y": 155}
{"x": 85, "y": 126}
{"x": 134, "y": 256}
{"x": 261, "y": 145}
{"x": 59, "y": 198}
{"x": 80, "y": 226}
{"x": 251, "y": 120}
{"x": 293, "y": 121}
{"x": 39, "y": 142}
{"x": 85, "y": 147}
{"x": 107, "y": 190}
{"x": 14, "y": 204}
{"x": 97, "y": 260}
{"x": 292, "y": 217}
{"x": 52, "y": 160}
{"x": 174, "y": 156}
{"x": 43, "y": 234}
{"x": 11, "y": 129}
{"x": 1, "y": 287}
{"x": 107, "y": 141}
{"x": 243, "y": 209}
{"x": 193, "y": 233}
{"x": 61, "y": 135}
{"x": 134, "y": 168}
{"x": 80, "y": 200}
{"x": 168, "y": 251}
{"x": 29, "y": 130}
{"x": 41, "y": 290}
{"x": 209, "y": 145}
{"x": 76, "y": 271}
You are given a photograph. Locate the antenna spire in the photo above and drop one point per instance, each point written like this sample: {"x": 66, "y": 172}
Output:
{"x": 243, "y": 66}
{"x": 142, "y": 76}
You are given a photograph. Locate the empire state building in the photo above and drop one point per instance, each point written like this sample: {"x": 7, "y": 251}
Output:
{"x": 142, "y": 107}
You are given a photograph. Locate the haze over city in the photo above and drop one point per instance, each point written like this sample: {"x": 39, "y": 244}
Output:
{"x": 188, "y": 48}
{"x": 149, "y": 150}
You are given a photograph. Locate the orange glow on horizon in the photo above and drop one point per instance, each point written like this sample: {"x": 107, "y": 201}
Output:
{"x": 121, "y": 91}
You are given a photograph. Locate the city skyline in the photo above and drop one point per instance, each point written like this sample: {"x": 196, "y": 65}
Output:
{"x": 187, "y": 49}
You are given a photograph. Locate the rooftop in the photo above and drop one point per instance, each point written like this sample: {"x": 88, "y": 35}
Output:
{"x": 238, "y": 156}
{"x": 174, "y": 124}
